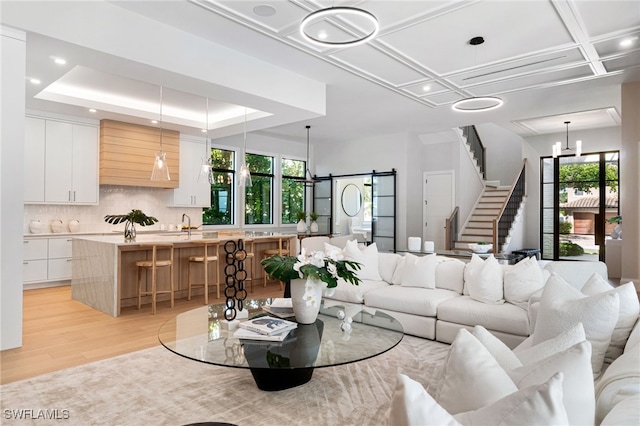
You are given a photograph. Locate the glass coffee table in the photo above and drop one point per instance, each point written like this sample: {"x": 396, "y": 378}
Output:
{"x": 198, "y": 335}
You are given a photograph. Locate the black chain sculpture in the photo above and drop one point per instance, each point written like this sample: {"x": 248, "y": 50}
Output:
{"x": 235, "y": 255}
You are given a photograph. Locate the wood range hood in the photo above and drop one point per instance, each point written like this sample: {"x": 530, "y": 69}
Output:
{"x": 127, "y": 152}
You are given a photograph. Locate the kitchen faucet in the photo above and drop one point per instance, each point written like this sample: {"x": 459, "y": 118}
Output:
{"x": 188, "y": 223}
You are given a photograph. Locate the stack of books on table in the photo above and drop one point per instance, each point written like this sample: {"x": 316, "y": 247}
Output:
{"x": 265, "y": 328}
{"x": 280, "y": 307}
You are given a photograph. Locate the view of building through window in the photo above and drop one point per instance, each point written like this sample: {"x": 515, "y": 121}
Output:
{"x": 587, "y": 200}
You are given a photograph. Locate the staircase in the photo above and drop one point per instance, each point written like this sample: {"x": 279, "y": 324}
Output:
{"x": 480, "y": 225}
{"x": 496, "y": 210}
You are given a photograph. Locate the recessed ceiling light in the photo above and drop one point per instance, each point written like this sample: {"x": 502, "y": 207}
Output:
{"x": 627, "y": 42}
{"x": 34, "y": 81}
{"x": 322, "y": 35}
{"x": 264, "y": 10}
{"x": 59, "y": 61}
{"x": 426, "y": 88}
{"x": 204, "y": 130}
{"x": 92, "y": 110}
{"x": 154, "y": 121}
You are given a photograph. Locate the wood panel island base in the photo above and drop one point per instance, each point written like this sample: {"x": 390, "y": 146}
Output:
{"x": 104, "y": 274}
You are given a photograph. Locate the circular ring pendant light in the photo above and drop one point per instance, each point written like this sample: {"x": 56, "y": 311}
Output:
{"x": 481, "y": 103}
{"x": 329, "y": 12}
{"x": 477, "y": 103}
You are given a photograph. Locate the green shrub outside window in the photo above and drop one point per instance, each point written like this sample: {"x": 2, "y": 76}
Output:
{"x": 222, "y": 194}
{"x": 293, "y": 193}
{"x": 259, "y": 196}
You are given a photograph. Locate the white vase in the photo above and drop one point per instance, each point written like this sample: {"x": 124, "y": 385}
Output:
{"x": 56, "y": 226}
{"x": 314, "y": 226}
{"x": 302, "y": 226}
{"x": 74, "y": 225}
{"x": 306, "y": 295}
{"x": 35, "y": 226}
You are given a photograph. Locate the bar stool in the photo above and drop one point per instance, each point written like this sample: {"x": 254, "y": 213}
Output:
{"x": 282, "y": 250}
{"x": 208, "y": 256}
{"x": 153, "y": 265}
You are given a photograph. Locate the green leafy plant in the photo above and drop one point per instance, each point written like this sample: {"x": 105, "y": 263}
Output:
{"x": 134, "y": 216}
{"x": 615, "y": 219}
{"x": 565, "y": 227}
{"x": 571, "y": 249}
{"x": 317, "y": 265}
{"x": 301, "y": 215}
{"x": 314, "y": 216}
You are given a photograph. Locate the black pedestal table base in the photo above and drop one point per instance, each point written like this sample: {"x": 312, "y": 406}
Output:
{"x": 280, "y": 379}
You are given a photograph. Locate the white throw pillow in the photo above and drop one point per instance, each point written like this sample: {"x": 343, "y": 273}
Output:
{"x": 471, "y": 378}
{"x": 367, "y": 257}
{"x": 501, "y": 352}
{"x": 627, "y": 315}
{"x": 534, "y": 405}
{"x": 329, "y": 248}
{"x": 450, "y": 274}
{"x": 387, "y": 263}
{"x": 562, "y": 306}
{"x": 575, "y": 364}
{"x": 411, "y": 405}
{"x": 420, "y": 271}
{"x": 521, "y": 281}
{"x": 485, "y": 280}
{"x": 551, "y": 346}
{"x": 396, "y": 279}
{"x": 476, "y": 262}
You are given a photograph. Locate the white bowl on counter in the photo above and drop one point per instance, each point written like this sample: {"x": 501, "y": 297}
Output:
{"x": 480, "y": 248}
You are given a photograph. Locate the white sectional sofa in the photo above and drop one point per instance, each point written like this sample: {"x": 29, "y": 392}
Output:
{"x": 434, "y": 297}
{"x": 436, "y": 309}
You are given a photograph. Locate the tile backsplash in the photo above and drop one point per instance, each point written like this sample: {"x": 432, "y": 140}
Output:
{"x": 113, "y": 200}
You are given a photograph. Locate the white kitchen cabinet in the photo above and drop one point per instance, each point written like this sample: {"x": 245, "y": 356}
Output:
{"x": 34, "y": 263}
{"x": 193, "y": 191}
{"x": 60, "y": 247}
{"x": 59, "y": 269}
{"x": 61, "y": 162}
{"x": 59, "y": 256}
{"x": 47, "y": 259}
{"x": 75, "y": 145}
{"x": 34, "y": 140}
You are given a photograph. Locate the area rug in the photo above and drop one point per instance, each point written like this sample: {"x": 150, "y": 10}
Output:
{"x": 157, "y": 387}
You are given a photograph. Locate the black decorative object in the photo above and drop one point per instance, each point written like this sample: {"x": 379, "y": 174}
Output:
{"x": 235, "y": 276}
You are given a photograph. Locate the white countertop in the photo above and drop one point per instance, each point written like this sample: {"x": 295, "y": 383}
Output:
{"x": 118, "y": 240}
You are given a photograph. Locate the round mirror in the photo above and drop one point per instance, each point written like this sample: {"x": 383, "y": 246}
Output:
{"x": 351, "y": 200}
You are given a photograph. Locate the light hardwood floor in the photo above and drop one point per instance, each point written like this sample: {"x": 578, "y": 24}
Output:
{"x": 59, "y": 332}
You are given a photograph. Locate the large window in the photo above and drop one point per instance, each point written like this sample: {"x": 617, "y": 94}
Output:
{"x": 259, "y": 196}
{"x": 578, "y": 197}
{"x": 293, "y": 193}
{"x": 222, "y": 195}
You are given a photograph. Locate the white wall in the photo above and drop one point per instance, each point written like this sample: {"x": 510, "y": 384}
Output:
{"x": 381, "y": 153}
{"x": 630, "y": 175}
{"x": 502, "y": 148}
{"x": 12, "y": 50}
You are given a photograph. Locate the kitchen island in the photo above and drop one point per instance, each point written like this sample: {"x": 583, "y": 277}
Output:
{"x": 104, "y": 274}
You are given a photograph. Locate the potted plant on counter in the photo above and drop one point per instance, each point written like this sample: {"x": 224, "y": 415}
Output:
{"x": 131, "y": 218}
{"x": 314, "y": 224}
{"x": 302, "y": 225}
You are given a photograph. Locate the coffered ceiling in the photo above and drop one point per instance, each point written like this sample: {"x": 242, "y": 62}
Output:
{"x": 548, "y": 60}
